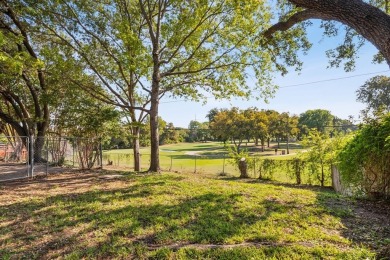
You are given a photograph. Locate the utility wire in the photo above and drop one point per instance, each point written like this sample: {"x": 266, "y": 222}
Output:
{"x": 334, "y": 79}
{"x": 300, "y": 84}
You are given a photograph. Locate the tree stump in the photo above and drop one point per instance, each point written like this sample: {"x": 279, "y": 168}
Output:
{"x": 243, "y": 167}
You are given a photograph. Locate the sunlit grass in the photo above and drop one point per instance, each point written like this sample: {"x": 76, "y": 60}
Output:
{"x": 173, "y": 216}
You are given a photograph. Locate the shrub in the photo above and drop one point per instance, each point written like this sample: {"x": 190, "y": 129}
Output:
{"x": 364, "y": 163}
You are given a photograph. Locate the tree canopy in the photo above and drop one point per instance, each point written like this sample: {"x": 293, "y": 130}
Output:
{"x": 375, "y": 93}
{"x": 131, "y": 53}
{"x": 319, "y": 119}
{"x": 363, "y": 21}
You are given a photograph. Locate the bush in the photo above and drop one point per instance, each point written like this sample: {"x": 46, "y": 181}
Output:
{"x": 365, "y": 160}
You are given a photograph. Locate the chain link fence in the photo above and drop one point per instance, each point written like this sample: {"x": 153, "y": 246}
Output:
{"x": 22, "y": 157}
{"x": 283, "y": 170}
{"x": 57, "y": 154}
{"x": 14, "y": 157}
{"x": 218, "y": 163}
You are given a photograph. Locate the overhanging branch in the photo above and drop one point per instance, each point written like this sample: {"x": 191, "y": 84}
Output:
{"x": 295, "y": 19}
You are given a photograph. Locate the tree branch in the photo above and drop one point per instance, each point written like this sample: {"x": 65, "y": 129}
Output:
{"x": 295, "y": 19}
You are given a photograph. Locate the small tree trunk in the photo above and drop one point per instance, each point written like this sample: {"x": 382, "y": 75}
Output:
{"x": 322, "y": 175}
{"x": 288, "y": 145}
{"x": 136, "y": 147}
{"x": 243, "y": 167}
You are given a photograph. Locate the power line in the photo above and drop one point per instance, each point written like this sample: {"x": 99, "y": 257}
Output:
{"x": 334, "y": 79}
{"x": 300, "y": 84}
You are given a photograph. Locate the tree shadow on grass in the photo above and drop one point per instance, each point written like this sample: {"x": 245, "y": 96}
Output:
{"x": 127, "y": 221}
{"x": 60, "y": 225}
{"x": 365, "y": 222}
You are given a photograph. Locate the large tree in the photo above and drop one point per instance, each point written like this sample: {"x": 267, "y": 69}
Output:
{"x": 23, "y": 87}
{"x": 319, "y": 119}
{"x": 363, "y": 21}
{"x": 143, "y": 50}
{"x": 375, "y": 93}
{"x": 200, "y": 47}
{"x": 104, "y": 37}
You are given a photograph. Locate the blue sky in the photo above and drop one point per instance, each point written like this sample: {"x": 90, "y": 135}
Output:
{"x": 337, "y": 96}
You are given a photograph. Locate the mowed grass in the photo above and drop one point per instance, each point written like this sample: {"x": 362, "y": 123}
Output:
{"x": 204, "y": 158}
{"x": 171, "y": 216}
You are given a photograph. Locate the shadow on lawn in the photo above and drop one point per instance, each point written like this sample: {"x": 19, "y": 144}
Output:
{"x": 365, "y": 222}
{"x": 101, "y": 223}
{"x": 62, "y": 223}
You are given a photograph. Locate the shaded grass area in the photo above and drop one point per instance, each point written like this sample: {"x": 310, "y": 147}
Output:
{"x": 172, "y": 216}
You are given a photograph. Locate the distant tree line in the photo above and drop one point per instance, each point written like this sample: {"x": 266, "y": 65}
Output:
{"x": 240, "y": 126}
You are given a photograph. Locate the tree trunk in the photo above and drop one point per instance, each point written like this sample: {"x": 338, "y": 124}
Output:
{"x": 322, "y": 175}
{"x": 243, "y": 167}
{"x": 136, "y": 147}
{"x": 39, "y": 143}
{"x": 268, "y": 141}
{"x": 154, "y": 134}
{"x": 288, "y": 146}
{"x": 262, "y": 144}
{"x": 367, "y": 20}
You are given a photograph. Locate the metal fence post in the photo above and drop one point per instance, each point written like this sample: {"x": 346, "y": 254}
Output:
{"x": 101, "y": 153}
{"x": 170, "y": 168}
{"x": 223, "y": 165}
{"x": 32, "y": 155}
{"x": 28, "y": 157}
{"x": 47, "y": 156}
{"x": 74, "y": 144}
{"x": 195, "y": 164}
{"x": 254, "y": 166}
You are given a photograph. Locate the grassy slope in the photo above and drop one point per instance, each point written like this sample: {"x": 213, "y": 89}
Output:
{"x": 171, "y": 216}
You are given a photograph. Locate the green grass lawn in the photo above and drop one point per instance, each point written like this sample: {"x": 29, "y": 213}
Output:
{"x": 174, "y": 216}
{"x": 204, "y": 158}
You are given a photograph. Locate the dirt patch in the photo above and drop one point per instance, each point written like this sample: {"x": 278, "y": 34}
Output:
{"x": 370, "y": 225}
{"x": 61, "y": 183}
{"x": 10, "y": 171}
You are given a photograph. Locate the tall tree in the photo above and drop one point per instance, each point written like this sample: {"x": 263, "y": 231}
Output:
{"x": 232, "y": 124}
{"x": 273, "y": 125}
{"x": 197, "y": 46}
{"x": 105, "y": 38}
{"x": 289, "y": 127}
{"x": 258, "y": 125}
{"x": 143, "y": 50}
{"x": 319, "y": 119}
{"x": 23, "y": 87}
{"x": 375, "y": 93}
